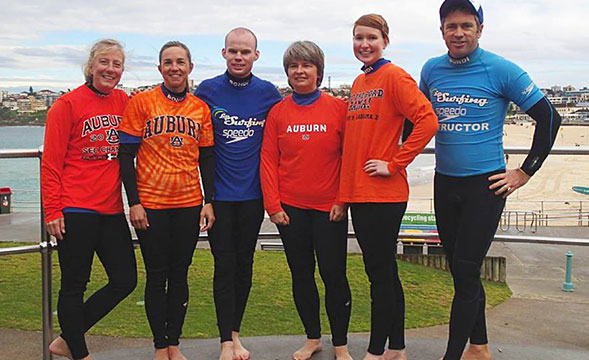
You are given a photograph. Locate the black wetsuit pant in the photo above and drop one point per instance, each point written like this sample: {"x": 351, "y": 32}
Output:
{"x": 377, "y": 228}
{"x": 86, "y": 234}
{"x": 311, "y": 233}
{"x": 467, "y": 215}
{"x": 167, "y": 247}
{"x": 233, "y": 240}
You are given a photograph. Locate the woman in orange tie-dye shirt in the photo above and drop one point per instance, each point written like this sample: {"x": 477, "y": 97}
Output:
{"x": 170, "y": 132}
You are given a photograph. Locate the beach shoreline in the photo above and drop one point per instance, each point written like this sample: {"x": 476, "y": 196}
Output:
{"x": 552, "y": 183}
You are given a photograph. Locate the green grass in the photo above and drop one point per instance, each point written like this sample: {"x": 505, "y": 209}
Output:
{"x": 270, "y": 309}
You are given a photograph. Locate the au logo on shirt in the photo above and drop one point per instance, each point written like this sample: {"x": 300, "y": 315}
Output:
{"x": 112, "y": 136}
{"x": 177, "y": 141}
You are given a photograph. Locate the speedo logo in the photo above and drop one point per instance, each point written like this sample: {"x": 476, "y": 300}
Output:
{"x": 238, "y": 129}
{"x": 449, "y": 113}
{"x": 445, "y": 97}
{"x": 529, "y": 89}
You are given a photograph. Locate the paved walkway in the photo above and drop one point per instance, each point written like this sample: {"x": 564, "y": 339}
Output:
{"x": 539, "y": 322}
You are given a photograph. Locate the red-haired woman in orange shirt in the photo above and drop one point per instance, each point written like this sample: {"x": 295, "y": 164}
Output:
{"x": 373, "y": 176}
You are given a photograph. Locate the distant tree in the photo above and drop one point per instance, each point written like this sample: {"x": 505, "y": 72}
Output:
{"x": 30, "y": 90}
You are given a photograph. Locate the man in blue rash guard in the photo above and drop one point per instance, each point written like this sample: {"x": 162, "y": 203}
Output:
{"x": 470, "y": 89}
{"x": 239, "y": 102}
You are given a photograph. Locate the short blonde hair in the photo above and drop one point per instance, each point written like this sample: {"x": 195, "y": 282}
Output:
{"x": 101, "y": 47}
{"x": 305, "y": 51}
{"x": 374, "y": 21}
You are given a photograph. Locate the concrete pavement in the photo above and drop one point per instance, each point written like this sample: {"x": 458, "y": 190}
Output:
{"x": 539, "y": 322}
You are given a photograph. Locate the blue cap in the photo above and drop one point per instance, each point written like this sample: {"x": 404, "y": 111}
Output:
{"x": 449, "y": 5}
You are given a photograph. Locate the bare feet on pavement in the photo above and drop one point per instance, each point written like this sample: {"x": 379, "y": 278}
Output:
{"x": 161, "y": 354}
{"x": 239, "y": 352}
{"x": 391, "y": 354}
{"x": 226, "y": 350}
{"x": 342, "y": 353}
{"x": 477, "y": 352}
{"x": 311, "y": 346}
{"x": 59, "y": 347}
{"x": 175, "y": 354}
{"x": 370, "y": 356}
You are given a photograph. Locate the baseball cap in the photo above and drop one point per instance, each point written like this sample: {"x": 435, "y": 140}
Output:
{"x": 449, "y": 5}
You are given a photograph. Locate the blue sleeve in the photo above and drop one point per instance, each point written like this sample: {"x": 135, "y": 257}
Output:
{"x": 423, "y": 86}
{"x": 202, "y": 92}
{"x": 129, "y": 139}
{"x": 276, "y": 97}
{"x": 519, "y": 87}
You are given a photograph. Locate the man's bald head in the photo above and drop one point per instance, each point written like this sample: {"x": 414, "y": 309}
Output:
{"x": 241, "y": 31}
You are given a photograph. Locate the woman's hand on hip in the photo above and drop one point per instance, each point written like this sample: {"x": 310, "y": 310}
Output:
{"x": 374, "y": 167}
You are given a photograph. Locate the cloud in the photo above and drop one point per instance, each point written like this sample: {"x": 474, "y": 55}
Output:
{"x": 52, "y": 37}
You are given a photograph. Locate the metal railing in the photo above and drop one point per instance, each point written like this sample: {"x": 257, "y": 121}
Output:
{"x": 45, "y": 247}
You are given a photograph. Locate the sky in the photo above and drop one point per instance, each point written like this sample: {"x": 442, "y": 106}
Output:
{"x": 44, "y": 44}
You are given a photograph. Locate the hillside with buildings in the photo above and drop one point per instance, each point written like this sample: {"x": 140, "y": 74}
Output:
{"x": 571, "y": 104}
{"x": 30, "y": 107}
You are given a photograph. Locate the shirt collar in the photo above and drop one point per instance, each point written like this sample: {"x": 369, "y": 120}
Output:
{"x": 369, "y": 69}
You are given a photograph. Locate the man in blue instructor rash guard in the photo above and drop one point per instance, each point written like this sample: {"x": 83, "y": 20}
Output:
{"x": 239, "y": 102}
{"x": 470, "y": 89}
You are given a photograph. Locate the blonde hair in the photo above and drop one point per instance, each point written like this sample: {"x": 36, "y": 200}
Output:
{"x": 374, "y": 21}
{"x": 98, "y": 48}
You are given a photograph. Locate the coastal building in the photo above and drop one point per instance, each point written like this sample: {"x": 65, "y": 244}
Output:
{"x": 47, "y": 96}
{"x": 30, "y": 104}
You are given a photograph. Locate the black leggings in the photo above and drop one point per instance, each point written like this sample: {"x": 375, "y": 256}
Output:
{"x": 310, "y": 232}
{"x": 377, "y": 228}
{"x": 167, "y": 247}
{"x": 108, "y": 236}
{"x": 233, "y": 241}
{"x": 467, "y": 215}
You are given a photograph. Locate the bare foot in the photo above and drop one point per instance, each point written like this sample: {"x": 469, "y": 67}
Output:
{"x": 59, "y": 347}
{"x": 477, "y": 352}
{"x": 342, "y": 353}
{"x": 239, "y": 352}
{"x": 370, "y": 356}
{"x": 311, "y": 346}
{"x": 161, "y": 354}
{"x": 226, "y": 350}
{"x": 175, "y": 354}
{"x": 391, "y": 354}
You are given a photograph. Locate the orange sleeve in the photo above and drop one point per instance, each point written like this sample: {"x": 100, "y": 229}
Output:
{"x": 57, "y": 135}
{"x": 206, "y": 135}
{"x": 342, "y": 120}
{"x": 133, "y": 122}
{"x": 415, "y": 107}
{"x": 269, "y": 160}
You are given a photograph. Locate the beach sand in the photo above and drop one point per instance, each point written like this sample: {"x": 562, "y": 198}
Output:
{"x": 550, "y": 185}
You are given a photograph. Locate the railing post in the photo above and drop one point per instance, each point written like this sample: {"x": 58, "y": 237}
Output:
{"x": 46, "y": 249}
{"x": 568, "y": 282}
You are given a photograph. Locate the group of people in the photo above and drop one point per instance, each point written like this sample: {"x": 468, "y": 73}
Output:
{"x": 306, "y": 159}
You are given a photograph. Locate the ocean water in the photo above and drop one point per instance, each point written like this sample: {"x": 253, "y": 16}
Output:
{"x": 22, "y": 175}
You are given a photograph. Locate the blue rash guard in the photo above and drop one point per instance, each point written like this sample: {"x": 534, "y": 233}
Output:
{"x": 470, "y": 97}
{"x": 238, "y": 109}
